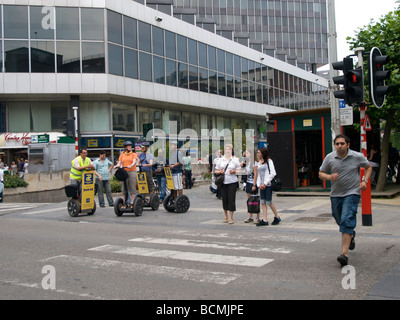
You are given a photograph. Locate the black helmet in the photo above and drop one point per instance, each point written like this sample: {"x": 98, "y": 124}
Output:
{"x": 127, "y": 143}
{"x": 145, "y": 144}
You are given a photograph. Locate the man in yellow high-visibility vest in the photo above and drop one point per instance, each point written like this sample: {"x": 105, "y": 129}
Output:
{"x": 78, "y": 165}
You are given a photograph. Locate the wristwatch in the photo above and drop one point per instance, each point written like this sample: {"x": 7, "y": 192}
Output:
{"x": 365, "y": 180}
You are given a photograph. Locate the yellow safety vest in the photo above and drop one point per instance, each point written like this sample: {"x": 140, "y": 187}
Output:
{"x": 76, "y": 174}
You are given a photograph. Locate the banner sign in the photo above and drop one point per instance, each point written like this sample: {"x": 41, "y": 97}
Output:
{"x": 88, "y": 183}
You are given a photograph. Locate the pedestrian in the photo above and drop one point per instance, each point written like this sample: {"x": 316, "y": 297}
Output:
{"x": 250, "y": 167}
{"x": 220, "y": 153}
{"x": 175, "y": 161}
{"x": 160, "y": 161}
{"x": 13, "y": 168}
{"x": 102, "y": 168}
{"x": 265, "y": 173}
{"x": 20, "y": 168}
{"x": 26, "y": 165}
{"x": 146, "y": 165}
{"x": 187, "y": 166}
{"x": 1, "y": 184}
{"x": 128, "y": 160}
{"x": 341, "y": 167}
{"x": 229, "y": 166}
{"x": 78, "y": 165}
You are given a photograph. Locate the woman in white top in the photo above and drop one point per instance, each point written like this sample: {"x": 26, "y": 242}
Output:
{"x": 266, "y": 172}
{"x": 228, "y": 189}
{"x": 251, "y": 185}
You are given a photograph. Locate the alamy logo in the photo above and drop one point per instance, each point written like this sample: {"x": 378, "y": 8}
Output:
{"x": 48, "y": 21}
{"x": 349, "y": 280}
{"x": 49, "y": 280}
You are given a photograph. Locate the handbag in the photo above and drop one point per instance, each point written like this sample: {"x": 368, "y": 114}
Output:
{"x": 253, "y": 204}
{"x": 276, "y": 183}
{"x": 219, "y": 178}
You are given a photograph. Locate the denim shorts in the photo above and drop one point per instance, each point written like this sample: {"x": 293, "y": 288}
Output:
{"x": 344, "y": 210}
{"x": 266, "y": 196}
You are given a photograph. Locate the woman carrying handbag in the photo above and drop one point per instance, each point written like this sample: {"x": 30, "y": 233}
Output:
{"x": 229, "y": 166}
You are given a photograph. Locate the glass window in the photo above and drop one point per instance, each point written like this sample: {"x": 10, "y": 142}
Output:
{"x": 170, "y": 45}
{"x": 229, "y": 63}
{"x": 230, "y": 91}
{"x": 115, "y": 59}
{"x": 183, "y": 75}
{"x": 182, "y": 48}
{"x": 170, "y": 71}
{"x": 192, "y": 46}
{"x": 191, "y": 120}
{"x": 145, "y": 66}
{"x": 212, "y": 58}
{"x": 95, "y": 115}
{"x": 245, "y": 69}
{"x": 36, "y": 20}
{"x": 203, "y": 80}
{"x": 92, "y": 23}
{"x": 212, "y": 81}
{"x": 16, "y": 22}
{"x": 221, "y": 60}
{"x": 158, "y": 41}
{"x": 19, "y": 116}
{"x": 144, "y": 36}
{"x": 42, "y": 56}
{"x": 238, "y": 88}
{"x": 130, "y": 32}
{"x": 114, "y": 27}
{"x": 221, "y": 84}
{"x": 68, "y": 57}
{"x": 158, "y": 69}
{"x": 124, "y": 117}
{"x": 237, "y": 69}
{"x": 202, "y": 55}
{"x": 148, "y": 115}
{"x": 16, "y": 56}
{"x": 59, "y": 112}
{"x": 93, "y": 60}
{"x": 41, "y": 116}
{"x": 131, "y": 63}
{"x": 193, "y": 78}
{"x": 67, "y": 23}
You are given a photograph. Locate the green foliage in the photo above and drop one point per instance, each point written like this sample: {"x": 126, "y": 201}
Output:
{"x": 115, "y": 185}
{"x": 207, "y": 176}
{"x": 14, "y": 181}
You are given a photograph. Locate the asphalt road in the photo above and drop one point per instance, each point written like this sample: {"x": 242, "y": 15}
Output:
{"x": 46, "y": 254}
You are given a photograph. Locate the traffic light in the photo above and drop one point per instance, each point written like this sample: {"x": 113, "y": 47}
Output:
{"x": 355, "y": 86}
{"x": 70, "y": 127}
{"x": 346, "y": 65}
{"x": 377, "y": 77}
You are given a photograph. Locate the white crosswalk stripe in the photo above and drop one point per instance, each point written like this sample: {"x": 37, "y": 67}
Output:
{"x": 190, "y": 247}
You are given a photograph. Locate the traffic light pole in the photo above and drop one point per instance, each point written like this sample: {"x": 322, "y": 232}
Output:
{"x": 366, "y": 207}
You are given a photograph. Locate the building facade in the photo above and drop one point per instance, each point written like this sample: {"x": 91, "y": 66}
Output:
{"x": 126, "y": 65}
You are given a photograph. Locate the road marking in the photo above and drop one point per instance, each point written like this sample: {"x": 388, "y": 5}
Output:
{"x": 37, "y": 286}
{"x": 255, "y": 237}
{"x": 137, "y": 268}
{"x": 215, "y": 245}
{"x": 42, "y": 211}
{"x": 189, "y": 256}
{"x": 311, "y": 205}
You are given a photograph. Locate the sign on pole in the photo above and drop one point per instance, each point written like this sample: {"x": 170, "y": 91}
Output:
{"x": 367, "y": 124}
{"x": 346, "y": 114}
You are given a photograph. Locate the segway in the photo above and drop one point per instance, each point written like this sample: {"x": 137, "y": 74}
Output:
{"x": 154, "y": 201}
{"x": 120, "y": 206}
{"x": 82, "y": 203}
{"x": 179, "y": 204}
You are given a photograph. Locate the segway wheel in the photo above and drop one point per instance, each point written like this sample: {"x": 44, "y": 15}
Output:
{"x": 154, "y": 202}
{"x": 73, "y": 207}
{"x": 90, "y": 213}
{"x": 117, "y": 207}
{"x": 182, "y": 204}
{"x": 168, "y": 203}
{"x": 138, "y": 206}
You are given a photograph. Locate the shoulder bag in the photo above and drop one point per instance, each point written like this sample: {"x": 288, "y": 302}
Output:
{"x": 220, "y": 177}
{"x": 276, "y": 183}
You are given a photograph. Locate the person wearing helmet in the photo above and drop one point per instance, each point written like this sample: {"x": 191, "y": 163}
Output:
{"x": 146, "y": 164}
{"x": 128, "y": 160}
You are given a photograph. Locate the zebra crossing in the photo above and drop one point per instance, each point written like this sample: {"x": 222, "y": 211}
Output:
{"x": 16, "y": 207}
{"x": 169, "y": 254}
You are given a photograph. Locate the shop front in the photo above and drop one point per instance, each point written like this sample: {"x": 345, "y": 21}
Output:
{"x": 298, "y": 143}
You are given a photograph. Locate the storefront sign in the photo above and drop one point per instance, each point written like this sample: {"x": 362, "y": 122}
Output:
{"x": 41, "y": 138}
{"x": 16, "y": 138}
{"x": 307, "y": 123}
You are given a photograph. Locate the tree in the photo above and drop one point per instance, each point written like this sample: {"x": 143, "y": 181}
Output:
{"x": 385, "y": 35}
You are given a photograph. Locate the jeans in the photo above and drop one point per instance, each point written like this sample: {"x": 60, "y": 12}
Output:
{"x": 266, "y": 195}
{"x": 188, "y": 179}
{"x": 344, "y": 210}
{"x": 162, "y": 184}
{"x": 107, "y": 187}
